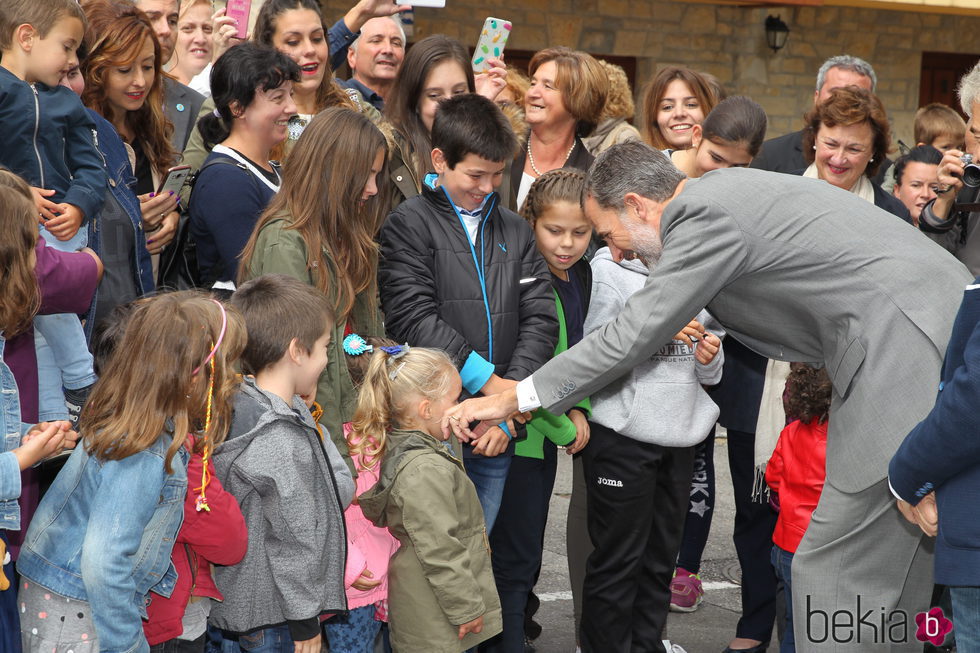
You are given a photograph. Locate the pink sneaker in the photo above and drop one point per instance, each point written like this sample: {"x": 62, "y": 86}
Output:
{"x": 686, "y": 592}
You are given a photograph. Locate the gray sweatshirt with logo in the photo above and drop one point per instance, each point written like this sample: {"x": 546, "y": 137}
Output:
{"x": 660, "y": 401}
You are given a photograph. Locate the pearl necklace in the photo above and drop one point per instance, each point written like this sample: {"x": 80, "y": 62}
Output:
{"x": 530, "y": 157}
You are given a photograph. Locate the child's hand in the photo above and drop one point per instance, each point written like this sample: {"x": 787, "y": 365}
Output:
{"x": 364, "y": 582}
{"x": 309, "y": 645}
{"x": 707, "y": 349}
{"x": 492, "y": 443}
{"x": 694, "y": 330}
{"x": 475, "y": 626}
{"x": 582, "y": 431}
{"x": 66, "y": 224}
{"x": 45, "y": 207}
{"x": 46, "y": 439}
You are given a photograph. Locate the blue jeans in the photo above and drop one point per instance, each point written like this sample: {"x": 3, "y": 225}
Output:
{"x": 267, "y": 640}
{"x": 489, "y": 475}
{"x": 354, "y": 633}
{"x": 966, "y": 617}
{"x": 782, "y": 562}
{"x": 63, "y": 360}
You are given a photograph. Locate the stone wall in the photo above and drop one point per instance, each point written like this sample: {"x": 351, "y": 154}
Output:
{"x": 726, "y": 41}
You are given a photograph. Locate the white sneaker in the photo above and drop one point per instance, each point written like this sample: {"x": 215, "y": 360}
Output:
{"x": 673, "y": 648}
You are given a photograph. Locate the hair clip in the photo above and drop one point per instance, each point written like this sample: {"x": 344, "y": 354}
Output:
{"x": 355, "y": 345}
{"x": 395, "y": 351}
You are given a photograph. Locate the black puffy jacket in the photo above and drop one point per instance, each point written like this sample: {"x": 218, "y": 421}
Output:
{"x": 432, "y": 295}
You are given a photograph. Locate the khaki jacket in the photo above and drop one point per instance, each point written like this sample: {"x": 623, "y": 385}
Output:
{"x": 440, "y": 577}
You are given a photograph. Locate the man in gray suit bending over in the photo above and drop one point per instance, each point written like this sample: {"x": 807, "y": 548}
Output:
{"x": 799, "y": 271}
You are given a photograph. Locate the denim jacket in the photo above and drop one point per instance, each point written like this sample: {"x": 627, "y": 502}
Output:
{"x": 104, "y": 533}
{"x": 13, "y": 430}
{"x": 120, "y": 189}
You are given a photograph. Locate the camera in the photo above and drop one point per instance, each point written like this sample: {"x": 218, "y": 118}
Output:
{"x": 971, "y": 171}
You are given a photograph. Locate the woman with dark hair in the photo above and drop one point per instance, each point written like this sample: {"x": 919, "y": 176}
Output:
{"x": 677, "y": 99}
{"x": 563, "y": 105}
{"x": 252, "y": 87}
{"x": 730, "y": 137}
{"x": 846, "y": 139}
{"x": 436, "y": 68}
{"x": 124, "y": 84}
{"x": 320, "y": 228}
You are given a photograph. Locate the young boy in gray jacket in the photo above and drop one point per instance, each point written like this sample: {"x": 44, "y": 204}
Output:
{"x": 638, "y": 467}
{"x": 288, "y": 477}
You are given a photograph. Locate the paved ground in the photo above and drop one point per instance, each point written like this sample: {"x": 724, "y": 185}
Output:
{"x": 706, "y": 631}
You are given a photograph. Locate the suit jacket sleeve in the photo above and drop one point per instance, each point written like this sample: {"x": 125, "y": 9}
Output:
{"x": 538, "y": 333}
{"x": 409, "y": 298}
{"x": 704, "y": 249}
{"x": 937, "y": 450}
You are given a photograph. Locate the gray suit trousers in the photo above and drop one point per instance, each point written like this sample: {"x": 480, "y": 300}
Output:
{"x": 860, "y": 575}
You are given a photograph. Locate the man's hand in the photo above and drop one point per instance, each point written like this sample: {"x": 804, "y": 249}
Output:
{"x": 475, "y": 626}
{"x": 364, "y": 582}
{"x": 309, "y": 645}
{"x": 582, "y": 431}
{"x": 365, "y": 10}
{"x": 492, "y": 443}
{"x": 65, "y": 225}
{"x": 45, "y": 207}
{"x": 707, "y": 349}
{"x": 494, "y": 408}
{"x": 950, "y": 175}
{"x": 924, "y": 514}
{"x": 693, "y": 331}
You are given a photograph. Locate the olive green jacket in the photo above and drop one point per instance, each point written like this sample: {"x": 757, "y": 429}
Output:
{"x": 441, "y": 576}
{"x": 281, "y": 250}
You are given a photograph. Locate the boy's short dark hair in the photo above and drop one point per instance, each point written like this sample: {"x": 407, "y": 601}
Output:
{"x": 935, "y": 120}
{"x": 472, "y": 124}
{"x": 278, "y": 308}
{"x": 920, "y": 154}
{"x": 39, "y": 14}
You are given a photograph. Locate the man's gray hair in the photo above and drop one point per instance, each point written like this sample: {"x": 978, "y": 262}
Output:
{"x": 396, "y": 19}
{"x": 969, "y": 90}
{"x": 847, "y": 62}
{"x": 631, "y": 167}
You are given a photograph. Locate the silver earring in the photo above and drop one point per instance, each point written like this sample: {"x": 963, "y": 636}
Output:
{"x": 814, "y": 147}
{"x": 872, "y": 160}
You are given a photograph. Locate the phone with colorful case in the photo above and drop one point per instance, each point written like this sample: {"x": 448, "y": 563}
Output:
{"x": 493, "y": 38}
{"x": 239, "y": 10}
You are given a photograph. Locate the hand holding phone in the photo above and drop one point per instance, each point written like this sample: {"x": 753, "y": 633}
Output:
{"x": 174, "y": 180}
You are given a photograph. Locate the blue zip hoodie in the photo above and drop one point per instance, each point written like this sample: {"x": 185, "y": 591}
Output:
{"x": 49, "y": 140}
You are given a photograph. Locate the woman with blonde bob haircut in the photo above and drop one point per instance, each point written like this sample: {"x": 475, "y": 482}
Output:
{"x": 677, "y": 99}
{"x": 320, "y": 228}
{"x": 563, "y": 105}
{"x": 614, "y": 126}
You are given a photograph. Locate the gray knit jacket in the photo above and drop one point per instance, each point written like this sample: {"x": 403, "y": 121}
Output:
{"x": 660, "y": 401}
{"x": 293, "y": 488}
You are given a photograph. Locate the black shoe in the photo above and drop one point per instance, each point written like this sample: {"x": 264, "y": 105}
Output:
{"x": 75, "y": 401}
{"x": 528, "y": 646}
{"x": 758, "y": 648}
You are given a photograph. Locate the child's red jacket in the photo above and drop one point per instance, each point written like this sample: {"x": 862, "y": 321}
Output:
{"x": 796, "y": 471}
{"x": 205, "y": 538}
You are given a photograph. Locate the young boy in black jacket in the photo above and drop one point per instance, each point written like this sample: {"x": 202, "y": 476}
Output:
{"x": 461, "y": 273}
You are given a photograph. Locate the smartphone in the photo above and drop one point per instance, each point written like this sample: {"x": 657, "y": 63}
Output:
{"x": 239, "y": 10}
{"x": 175, "y": 179}
{"x": 424, "y": 3}
{"x": 493, "y": 38}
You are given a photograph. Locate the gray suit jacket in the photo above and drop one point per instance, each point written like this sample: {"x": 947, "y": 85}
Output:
{"x": 799, "y": 271}
{"x": 181, "y": 106}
